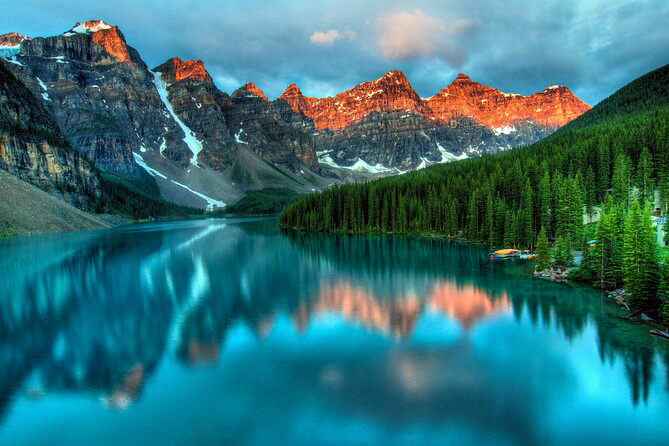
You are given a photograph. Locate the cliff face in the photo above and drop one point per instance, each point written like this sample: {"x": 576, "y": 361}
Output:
{"x": 555, "y": 106}
{"x": 33, "y": 148}
{"x": 12, "y": 39}
{"x": 392, "y": 92}
{"x": 204, "y": 146}
{"x": 384, "y": 126}
{"x": 101, "y": 94}
{"x": 224, "y": 123}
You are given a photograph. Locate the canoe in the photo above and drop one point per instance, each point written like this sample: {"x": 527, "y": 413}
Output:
{"x": 506, "y": 252}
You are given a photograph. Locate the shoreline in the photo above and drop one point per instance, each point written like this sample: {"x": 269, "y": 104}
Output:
{"x": 635, "y": 311}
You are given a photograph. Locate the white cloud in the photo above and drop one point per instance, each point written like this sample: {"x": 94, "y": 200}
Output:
{"x": 406, "y": 35}
{"x": 330, "y": 36}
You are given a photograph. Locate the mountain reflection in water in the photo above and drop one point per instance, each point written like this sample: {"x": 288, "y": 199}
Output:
{"x": 402, "y": 331}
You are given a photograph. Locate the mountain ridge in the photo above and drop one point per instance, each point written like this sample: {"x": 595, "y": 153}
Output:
{"x": 174, "y": 123}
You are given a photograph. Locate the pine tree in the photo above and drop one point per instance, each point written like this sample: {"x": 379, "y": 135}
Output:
{"x": 563, "y": 253}
{"x": 621, "y": 179}
{"x": 603, "y": 169}
{"x": 590, "y": 193}
{"x": 525, "y": 228}
{"x": 644, "y": 177}
{"x": 543, "y": 251}
{"x": 545, "y": 202}
{"x": 489, "y": 224}
{"x": 575, "y": 212}
{"x": 640, "y": 268}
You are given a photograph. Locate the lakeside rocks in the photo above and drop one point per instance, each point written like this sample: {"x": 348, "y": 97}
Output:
{"x": 557, "y": 274}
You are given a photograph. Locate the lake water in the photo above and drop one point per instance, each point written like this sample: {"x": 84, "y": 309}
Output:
{"x": 228, "y": 332}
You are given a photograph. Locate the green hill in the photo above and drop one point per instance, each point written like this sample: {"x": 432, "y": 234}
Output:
{"x": 505, "y": 199}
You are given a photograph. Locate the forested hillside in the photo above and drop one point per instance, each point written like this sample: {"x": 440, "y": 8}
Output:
{"x": 620, "y": 146}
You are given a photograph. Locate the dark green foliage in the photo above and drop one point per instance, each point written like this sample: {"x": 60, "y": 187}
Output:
{"x": 270, "y": 200}
{"x": 138, "y": 199}
{"x": 640, "y": 268}
{"x": 644, "y": 177}
{"x": 607, "y": 254}
{"x": 664, "y": 312}
{"x": 544, "y": 260}
{"x": 550, "y": 183}
{"x": 563, "y": 255}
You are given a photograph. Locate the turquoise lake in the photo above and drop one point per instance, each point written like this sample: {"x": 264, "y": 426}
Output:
{"x": 230, "y": 332}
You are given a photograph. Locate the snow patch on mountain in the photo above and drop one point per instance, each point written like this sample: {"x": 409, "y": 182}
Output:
{"x": 238, "y": 135}
{"x": 447, "y": 156}
{"x": 211, "y": 202}
{"x": 42, "y": 85}
{"x": 194, "y": 144}
{"x": 7, "y": 52}
{"x": 92, "y": 26}
{"x": 359, "y": 166}
{"x": 506, "y": 130}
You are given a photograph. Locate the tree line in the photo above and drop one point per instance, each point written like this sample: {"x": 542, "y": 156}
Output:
{"x": 604, "y": 162}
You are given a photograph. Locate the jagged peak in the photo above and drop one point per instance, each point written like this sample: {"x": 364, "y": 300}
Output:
{"x": 291, "y": 90}
{"x": 176, "y": 69}
{"x": 556, "y": 89}
{"x": 462, "y": 78}
{"x": 12, "y": 39}
{"x": 90, "y": 26}
{"x": 393, "y": 76}
{"x": 250, "y": 87}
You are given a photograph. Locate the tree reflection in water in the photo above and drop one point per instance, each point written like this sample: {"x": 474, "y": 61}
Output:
{"x": 95, "y": 313}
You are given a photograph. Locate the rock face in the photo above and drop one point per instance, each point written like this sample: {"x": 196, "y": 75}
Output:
{"x": 392, "y": 92}
{"x": 205, "y": 147}
{"x": 555, "y": 106}
{"x": 385, "y": 126}
{"x": 33, "y": 148}
{"x": 12, "y": 39}
{"x": 101, "y": 94}
{"x": 246, "y": 119}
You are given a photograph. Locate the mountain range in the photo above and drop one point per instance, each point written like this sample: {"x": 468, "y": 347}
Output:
{"x": 100, "y": 108}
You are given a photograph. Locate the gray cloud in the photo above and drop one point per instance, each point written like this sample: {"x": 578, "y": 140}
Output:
{"x": 592, "y": 46}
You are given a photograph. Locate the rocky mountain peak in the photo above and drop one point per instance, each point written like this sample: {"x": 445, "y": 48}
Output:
{"x": 462, "y": 77}
{"x": 12, "y": 39}
{"x": 553, "y": 107}
{"x": 290, "y": 91}
{"x": 90, "y": 26}
{"x": 107, "y": 36}
{"x": 176, "y": 69}
{"x": 252, "y": 89}
{"x": 389, "y": 93}
{"x": 553, "y": 89}
{"x": 393, "y": 77}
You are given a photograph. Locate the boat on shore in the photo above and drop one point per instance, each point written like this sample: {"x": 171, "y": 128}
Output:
{"x": 510, "y": 253}
{"x": 504, "y": 254}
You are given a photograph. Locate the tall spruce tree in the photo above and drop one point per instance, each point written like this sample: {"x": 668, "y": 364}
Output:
{"x": 543, "y": 251}
{"x": 640, "y": 267}
{"x": 644, "y": 178}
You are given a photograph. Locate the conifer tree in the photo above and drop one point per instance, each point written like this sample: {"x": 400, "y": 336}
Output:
{"x": 563, "y": 253}
{"x": 590, "y": 193}
{"x": 621, "y": 179}
{"x": 645, "y": 177}
{"x": 489, "y": 225}
{"x": 543, "y": 251}
{"x": 545, "y": 202}
{"x": 525, "y": 229}
{"x": 640, "y": 268}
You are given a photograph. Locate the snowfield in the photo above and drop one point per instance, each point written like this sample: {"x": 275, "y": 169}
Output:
{"x": 194, "y": 144}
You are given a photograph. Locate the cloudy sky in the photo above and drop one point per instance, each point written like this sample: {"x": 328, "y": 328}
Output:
{"x": 326, "y": 46}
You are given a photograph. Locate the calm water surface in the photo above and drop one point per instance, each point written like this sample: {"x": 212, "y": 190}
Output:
{"x": 225, "y": 332}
